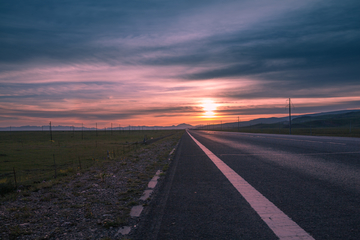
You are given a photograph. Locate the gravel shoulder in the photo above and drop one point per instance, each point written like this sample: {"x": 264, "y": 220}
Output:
{"x": 91, "y": 204}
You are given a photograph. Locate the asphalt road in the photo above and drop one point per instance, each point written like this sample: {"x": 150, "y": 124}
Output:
{"x": 315, "y": 181}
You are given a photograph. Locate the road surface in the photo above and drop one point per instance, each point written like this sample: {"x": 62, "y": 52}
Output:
{"x": 273, "y": 186}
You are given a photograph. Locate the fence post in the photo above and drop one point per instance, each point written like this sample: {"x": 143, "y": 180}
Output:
{"x": 15, "y": 177}
{"x": 54, "y": 165}
{"x": 50, "y": 133}
{"x": 79, "y": 163}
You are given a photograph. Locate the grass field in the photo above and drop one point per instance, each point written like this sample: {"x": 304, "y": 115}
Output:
{"x": 338, "y": 125}
{"x": 35, "y": 158}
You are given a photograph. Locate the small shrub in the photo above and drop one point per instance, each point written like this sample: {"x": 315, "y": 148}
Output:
{"x": 15, "y": 231}
{"x": 22, "y": 215}
{"x": 88, "y": 213}
{"x": 45, "y": 184}
{"x": 125, "y": 198}
{"x": 76, "y": 194}
{"x": 109, "y": 223}
{"x": 77, "y": 206}
{"x": 132, "y": 203}
{"x": 34, "y": 189}
{"x": 120, "y": 221}
{"x": 165, "y": 168}
{"x": 26, "y": 194}
{"x": 48, "y": 197}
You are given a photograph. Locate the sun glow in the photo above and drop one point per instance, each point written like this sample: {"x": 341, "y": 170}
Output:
{"x": 209, "y": 107}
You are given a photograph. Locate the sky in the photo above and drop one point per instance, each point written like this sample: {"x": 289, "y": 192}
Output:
{"x": 161, "y": 62}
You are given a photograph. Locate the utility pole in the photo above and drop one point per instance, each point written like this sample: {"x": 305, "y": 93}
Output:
{"x": 111, "y": 130}
{"x": 82, "y": 131}
{"x": 290, "y": 116}
{"x": 96, "y": 128}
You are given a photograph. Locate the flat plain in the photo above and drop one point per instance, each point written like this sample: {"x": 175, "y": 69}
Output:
{"x": 35, "y": 156}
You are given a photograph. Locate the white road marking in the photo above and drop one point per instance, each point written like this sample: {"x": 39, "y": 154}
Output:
{"x": 278, "y": 221}
{"x": 123, "y": 231}
{"x": 146, "y": 194}
{"x": 136, "y": 211}
{"x": 172, "y": 151}
{"x": 154, "y": 180}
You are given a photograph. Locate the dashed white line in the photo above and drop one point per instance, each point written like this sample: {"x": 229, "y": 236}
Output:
{"x": 277, "y": 220}
{"x": 172, "y": 151}
{"x": 154, "y": 180}
{"x": 137, "y": 210}
{"x": 146, "y": 194}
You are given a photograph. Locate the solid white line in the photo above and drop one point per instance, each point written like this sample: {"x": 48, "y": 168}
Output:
{"x": 278, "y": 221}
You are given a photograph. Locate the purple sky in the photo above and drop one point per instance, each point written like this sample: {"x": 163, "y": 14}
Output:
{"x": 171, "y": 62}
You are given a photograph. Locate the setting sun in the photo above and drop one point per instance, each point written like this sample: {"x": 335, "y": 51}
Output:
{"x": 209, "y": 107}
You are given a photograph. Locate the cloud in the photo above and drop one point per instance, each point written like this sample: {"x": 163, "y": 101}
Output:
{"x": 97, "y": 114}
{"x": 157, "y": 56}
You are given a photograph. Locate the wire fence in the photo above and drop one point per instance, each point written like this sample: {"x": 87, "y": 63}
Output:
{"x": 27, "y": 158}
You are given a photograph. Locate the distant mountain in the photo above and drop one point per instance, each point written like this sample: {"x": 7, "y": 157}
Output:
{"x": 336, "y": 118}
{"x": 329, "y": 113}
{"x": 342, "y": 119}
{"x": 71, "y": 128}
{"x": 180, "y": 126}
{"x": 324, "y": 119}
{"x": 183, "y": 126}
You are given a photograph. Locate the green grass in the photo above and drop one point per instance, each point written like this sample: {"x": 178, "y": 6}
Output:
{"x": 32, "y": 154}
{"x": 338, "y": 125}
